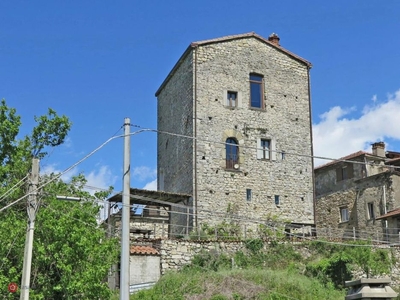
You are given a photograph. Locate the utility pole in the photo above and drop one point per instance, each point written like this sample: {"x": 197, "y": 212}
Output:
{"x": 126, "y": 214}
{"x": 32, "y": 209}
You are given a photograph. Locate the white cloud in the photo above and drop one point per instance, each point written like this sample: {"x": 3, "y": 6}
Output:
{"x": 336, "y": 136}
{"x": 151, "y": 185}
{"x": 101, "y": 178}
{"x": 142, "y": 173}
{"x": 52, "y": 169}
{"x": 374, "y": 98}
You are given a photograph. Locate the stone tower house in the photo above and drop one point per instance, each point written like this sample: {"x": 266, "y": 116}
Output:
{"x": 235, "y": 130}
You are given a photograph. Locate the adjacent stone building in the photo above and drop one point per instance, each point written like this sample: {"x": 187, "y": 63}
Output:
{"x": 234, "y": 131}
{"x": 356, "y": 194}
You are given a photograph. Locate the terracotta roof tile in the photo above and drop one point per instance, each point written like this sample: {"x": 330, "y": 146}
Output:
{"x": 392, "y": 213}
{"x": 143, "y": 250}
{"x": 347, "y": 157}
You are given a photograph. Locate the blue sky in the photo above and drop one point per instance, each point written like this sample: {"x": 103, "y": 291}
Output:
{"x": 98, "y": 62}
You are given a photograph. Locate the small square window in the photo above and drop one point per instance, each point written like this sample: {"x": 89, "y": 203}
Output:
{"x": 231, "y": 99}
{"x": 248, "y": 194}
{"x": 344, "y": 214}
{"x": 371, "y": 211}
{"x": 277, "y": 200}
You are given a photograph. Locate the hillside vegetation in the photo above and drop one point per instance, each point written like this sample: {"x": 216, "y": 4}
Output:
{"x": 271, "y": 271}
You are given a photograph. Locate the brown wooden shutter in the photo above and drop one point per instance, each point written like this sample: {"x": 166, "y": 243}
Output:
{"x": 350, "y": 171}
{"x": 339, "y": 176}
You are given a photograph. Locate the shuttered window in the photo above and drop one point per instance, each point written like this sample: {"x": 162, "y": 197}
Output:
{"x": 266, "y": 149}
{"x": 344, "y": 172}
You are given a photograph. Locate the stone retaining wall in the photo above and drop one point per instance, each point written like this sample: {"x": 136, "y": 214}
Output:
{"x": 177, "y": 253}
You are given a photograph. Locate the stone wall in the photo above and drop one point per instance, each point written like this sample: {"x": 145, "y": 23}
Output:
{"x": 178, "y": 253}
{"x": 175, "y": 115}
{"x": 380, "y": 191}
{"x": 284, "y": 119}
{"x": 196, "y": 91}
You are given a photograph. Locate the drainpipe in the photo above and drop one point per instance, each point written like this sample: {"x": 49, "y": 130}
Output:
{"x": 366, "y": 166}
{"x": 384, "y": 207}
{"x": 312, "y": 148}
{"x": 195, "y": 136}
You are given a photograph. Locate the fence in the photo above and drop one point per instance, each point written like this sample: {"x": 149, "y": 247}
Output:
{"x": 228, "y": 226}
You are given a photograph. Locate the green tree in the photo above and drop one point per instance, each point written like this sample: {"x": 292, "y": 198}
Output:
{"x": 71, "y": 253}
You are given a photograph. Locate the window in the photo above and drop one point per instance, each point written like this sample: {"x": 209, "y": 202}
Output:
{"x": 371, "y": 211}
{"x": 277, "y": 201}
{"x": 231, "y": 99}
{"x": 266, "y": 147}
{"x": 344, "y": 172}
{"x": 248, "y": 194}
{"x": 256, "y": 91}
{"x": 283, "y": 154}
{"x": 232, "y": 153}
{"x": 344, "y": 214}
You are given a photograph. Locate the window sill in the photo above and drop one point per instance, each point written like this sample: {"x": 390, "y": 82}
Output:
{"x": 264, "y": 159}
{"x": 233, "y": 170}
{"x": 257, "y": 109}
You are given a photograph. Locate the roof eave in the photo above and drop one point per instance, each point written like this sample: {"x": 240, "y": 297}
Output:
{"x": 175, "y": 67}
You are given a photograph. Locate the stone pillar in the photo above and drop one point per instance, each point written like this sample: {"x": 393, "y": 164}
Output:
{"x": 370, "y": 288}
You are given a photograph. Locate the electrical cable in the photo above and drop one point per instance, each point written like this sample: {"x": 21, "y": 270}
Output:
{"x": 67, "y": 169}
{"x": 13, "y": 188}
{"x": 257, "y": 148}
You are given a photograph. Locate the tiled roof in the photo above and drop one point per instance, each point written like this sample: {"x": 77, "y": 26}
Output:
{"x": 143, "y": 250}
{"x": 392, "y": 213}
{"x": 347, "y": 157}
{"x": 393, "y": 160}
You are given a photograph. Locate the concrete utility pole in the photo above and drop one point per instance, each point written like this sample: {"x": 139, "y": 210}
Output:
{"x": 32, "y": 209}
{"x": 126, "y": 214}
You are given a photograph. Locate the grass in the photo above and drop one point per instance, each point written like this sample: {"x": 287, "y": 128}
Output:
{"x": 238, "y": 284}
{"x": 275, "y": 272}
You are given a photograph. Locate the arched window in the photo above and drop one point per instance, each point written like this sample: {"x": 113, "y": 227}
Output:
{"x": 232, "y": 153}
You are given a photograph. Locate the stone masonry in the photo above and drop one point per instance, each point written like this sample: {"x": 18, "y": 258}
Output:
{"x": 369, "y": 190}
{"x": 192, "y": 102}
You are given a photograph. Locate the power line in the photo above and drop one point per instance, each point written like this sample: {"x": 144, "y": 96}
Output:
{"x": 13, "y": 188}
{"x": 257, "y": 148}
{"x": 65, "y": 171}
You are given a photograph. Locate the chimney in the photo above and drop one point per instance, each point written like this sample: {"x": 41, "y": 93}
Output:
{"x": 378, "y": 149}
{"x": 274, "y": 39}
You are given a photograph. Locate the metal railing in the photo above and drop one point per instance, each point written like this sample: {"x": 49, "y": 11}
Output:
{"x": 227, "y": 226}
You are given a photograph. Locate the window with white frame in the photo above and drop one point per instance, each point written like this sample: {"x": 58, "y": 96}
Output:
{"x": 344, "y": 214}
{"x": 231, "y": 98}
{"x": 266, "y": 149}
